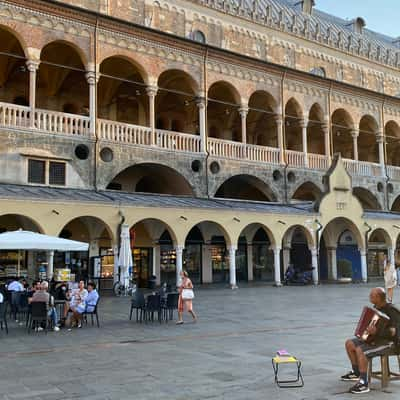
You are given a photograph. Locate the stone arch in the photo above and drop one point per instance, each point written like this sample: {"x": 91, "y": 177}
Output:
{"x": 293, "y": 125}
{"x": 367, "y": 199}
{"x": 62, "y": 78}
{"x": 223, "y": 119}
{"x": 14, "y": 75}
{"x": 336, "y": 226}
{"x": 13, "y": 222}
{"x": 315, "y": 131}
{"x": 251, "y": 229}
{"x": 261, "y": 119}
{"x": 18, "y": 36}
{"x": 288, "y": 235}
{"x": 94, "y": 226}
{"x": 380, "y": 235}
{"x": 155, "y": 227}
{"x": 245, "y": 187}
{"x": 367, "y": 144}
{"x": 83, "y": 57}
{"x": 175, "y": 104}
{"x": 151, "y": 178}
{"x": 392, "y": 137}
{"x": 121, "y": 91}
{"x": 307, "y": 191}
{"x": 342, "y": 126}
{"x": 207, "y": 228}
{"x": 396, "y": 204}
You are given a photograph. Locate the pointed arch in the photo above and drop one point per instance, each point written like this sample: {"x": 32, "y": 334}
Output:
{"x": 367, "y": 199}
{"x": 307, "y": 191}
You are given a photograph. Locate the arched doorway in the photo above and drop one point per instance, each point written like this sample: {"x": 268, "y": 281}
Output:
{"x": 193, "y": 255}
{"x": 62, "y": 85}
{"x": 293, "y": 126}
{"x": 98, "y": 262}
{"x": 121, "y": 92}
{"x": 14, "y": 74}
{"x": 379, "y": 243}
{"x": 343, "y": 242}
{"x": 151, "y": 178}
{"x": 20, "y": 263}
{"x": 315, "y": 133}
{"x": 262, "y": 257}
{"x": 245, "y": 187}
{"x": 223, "y": 119}
{"x": 392, "y": 136}
{"x": 261, "y": 120}
{"x": 296, "y": 250}
{"x": 176, "y": 108}
{"x": 367, "y": 144}
{"x": 153, "y": 252}
{"x": 342, "y": 130}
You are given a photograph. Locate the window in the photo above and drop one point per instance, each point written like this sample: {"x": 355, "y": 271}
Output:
{"x": 319, "y": 71}
{"x": 198, "y": 36}
{"x": 37, "y": 171}
{"x": 57, "y": 173}
{"x": 46, "y": 172}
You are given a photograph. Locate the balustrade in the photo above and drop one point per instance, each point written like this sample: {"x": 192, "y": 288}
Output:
{"x": 295, "y": 158}
{"x": 12, "y": 115}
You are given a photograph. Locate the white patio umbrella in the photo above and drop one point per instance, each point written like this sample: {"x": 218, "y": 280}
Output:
{"x": 26, "y": 240}
{"x": 125, "y": 255}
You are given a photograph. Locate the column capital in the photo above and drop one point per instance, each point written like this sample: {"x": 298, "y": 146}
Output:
{"x": 232, "y": 248}
{"x": 200, "y": 102}
{"x": 313, "y": 251}
{"x": 363, "y": 252}
{"x": 32, "y": 65}
{"x": 303, "y": 123}
{"x": 380, "y": 138}
{"x": 278, "y": 118}
{"x": 151, "y": 91}
{"x": 325, "y": 128}
{"x": 276, "y": 249}
{"x": 243, "y": 111}
{"x": 92, "y": 78}
{"x": 179, "y": 248}
{"x": 354, "y": 133}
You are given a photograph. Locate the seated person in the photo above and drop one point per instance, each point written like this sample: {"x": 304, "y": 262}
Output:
{"x": 1, "y": 297}
{"x": 43, "y": 296}
{"x": 74, "y": 298}
{"x": 35, "y": 287}
{"x": 359, "y": 351}
{"x": 87, "y": 305}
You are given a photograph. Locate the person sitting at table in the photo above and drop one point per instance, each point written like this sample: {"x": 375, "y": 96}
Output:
{"x": 87, "y": 305}
{"x": 34, "y": 288}
{"x": 43, "y": 296}
{"x": 74, "y": 298}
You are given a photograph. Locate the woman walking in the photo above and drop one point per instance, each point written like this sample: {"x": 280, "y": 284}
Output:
{"x": 390, "y": 276}
{"x": 185, "y": 298}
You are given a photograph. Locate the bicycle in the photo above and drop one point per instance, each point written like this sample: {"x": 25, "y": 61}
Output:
{"x": 121, "y": 290}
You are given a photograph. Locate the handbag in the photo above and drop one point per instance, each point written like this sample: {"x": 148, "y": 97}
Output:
{"x": 187, "y": 294}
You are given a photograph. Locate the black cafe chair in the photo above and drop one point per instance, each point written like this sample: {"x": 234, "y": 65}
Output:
{"x": 138, "y": 303}
{"x": 92, "y": 314}
{"x": 38, "y": 317}
{"x": 153, "y": 305}
{"x": 170, "y": 305}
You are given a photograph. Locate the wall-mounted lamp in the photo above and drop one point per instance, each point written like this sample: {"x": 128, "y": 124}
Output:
{"x": 236, "y": 219}
{"x": 281, "y": 222}
{"x": 55, "y": 212}
{"x": 396, "y": 226}
{"x": 183, "y": 217}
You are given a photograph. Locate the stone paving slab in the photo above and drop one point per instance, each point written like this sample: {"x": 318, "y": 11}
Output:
{"x": 226, "y": 355}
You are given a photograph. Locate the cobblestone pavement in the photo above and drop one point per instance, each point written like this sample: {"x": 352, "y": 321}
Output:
{"x": 226, "y": 355}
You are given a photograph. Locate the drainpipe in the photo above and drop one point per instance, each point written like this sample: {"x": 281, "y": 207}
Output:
{"x": 317, "y": 247}
{"x": 385, "y": 155}
{"x": 366, "y": 242}
{"x": 284, "y": 140}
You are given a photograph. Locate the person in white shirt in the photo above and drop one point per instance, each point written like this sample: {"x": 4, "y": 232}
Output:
{"x": 15, "y": 286}
{"x": 1, "y": 297}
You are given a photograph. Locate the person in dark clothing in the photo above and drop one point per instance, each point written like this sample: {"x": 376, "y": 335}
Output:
{"x": 359, "y": 351}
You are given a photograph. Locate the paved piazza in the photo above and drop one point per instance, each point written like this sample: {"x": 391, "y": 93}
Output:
{"x": 226, "y": 355}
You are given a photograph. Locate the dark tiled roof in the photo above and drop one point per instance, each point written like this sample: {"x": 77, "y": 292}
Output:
{"x": 336, "y": 25}
{"x": 20, "y": 192}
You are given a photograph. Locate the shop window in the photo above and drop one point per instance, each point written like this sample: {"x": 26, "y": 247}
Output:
{"x": 37, "y": 171}
{"x": 57, "y": 173}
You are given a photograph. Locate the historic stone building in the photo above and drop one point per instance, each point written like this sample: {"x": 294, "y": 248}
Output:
{"x": 209, "y": 127}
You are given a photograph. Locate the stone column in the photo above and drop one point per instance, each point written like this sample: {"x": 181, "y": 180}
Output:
{"x": 116, "y": 262}
{"x": 277, "y": 266}
{"x": 314, "y": 264}
{"x": 286, "y": 258}
{"x": 364, "y": 270}
{"x": 332, "y": 263}
{"x": 156, "y": 263}
{"x": 327, "y": 141}
{"x": 32, "y": 68}
{"x": 92, "y": 81}
{"x": 381, "y": 146}
{"x": 279, "y": 130}
{"x": 249, "y": 262}
{"x": 50, "y": 265}
{"x": 207, "y": 267}
{"x": 201, "y": 104}
{"x": 354, "y": 134}
{"x": 391, "y": 255}
{"x": 152, "y": 92}
{"x": 179, "y": 263}
{"x": 303, "y": 125}
{"x": 232, "y": 266}
{"x": 243, "y": 118}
